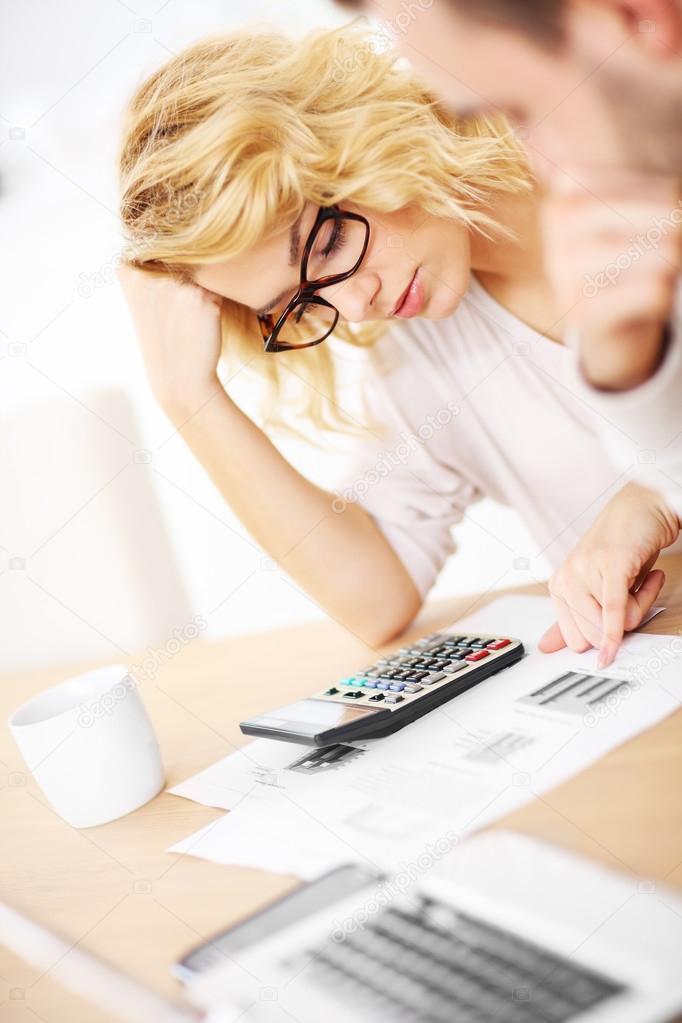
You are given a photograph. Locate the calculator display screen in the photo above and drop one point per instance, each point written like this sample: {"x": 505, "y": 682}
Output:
{"x": 309, "y": 717}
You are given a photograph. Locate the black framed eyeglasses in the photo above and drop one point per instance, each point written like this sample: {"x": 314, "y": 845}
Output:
{"x": 333, "y": 251}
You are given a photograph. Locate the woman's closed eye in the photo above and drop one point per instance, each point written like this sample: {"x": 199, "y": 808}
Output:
{"x": 336, "y": 239}
{"x": 328, "y": 252}
{"x": 329, "y": 241}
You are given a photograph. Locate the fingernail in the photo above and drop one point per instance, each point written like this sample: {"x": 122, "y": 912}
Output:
{"x": 603, "y": 658}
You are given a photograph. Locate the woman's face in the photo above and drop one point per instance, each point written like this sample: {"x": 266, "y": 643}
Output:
{"x": 415, "y": 265}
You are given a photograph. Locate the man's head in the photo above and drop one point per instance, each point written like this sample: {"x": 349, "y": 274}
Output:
{"x": 594, "y": 84}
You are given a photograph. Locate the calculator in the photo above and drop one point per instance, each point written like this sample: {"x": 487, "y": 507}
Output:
{"x": 391, "y": 693}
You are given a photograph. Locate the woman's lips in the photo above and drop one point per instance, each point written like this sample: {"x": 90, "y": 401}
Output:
{"x": 411, "y": 302}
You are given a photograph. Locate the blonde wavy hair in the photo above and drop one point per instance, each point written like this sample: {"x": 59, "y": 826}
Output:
{"x": 227, "y": 142}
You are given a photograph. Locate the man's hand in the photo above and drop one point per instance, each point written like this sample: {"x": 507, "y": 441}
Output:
{"x": 613, "y": 255}
{"x": 606, "y": 586}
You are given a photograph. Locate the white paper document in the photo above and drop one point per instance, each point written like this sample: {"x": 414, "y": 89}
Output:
{"x": 405, "y": 800}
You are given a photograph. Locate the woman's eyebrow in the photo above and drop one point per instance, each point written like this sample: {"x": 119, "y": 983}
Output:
{"x": 294, "y": 247}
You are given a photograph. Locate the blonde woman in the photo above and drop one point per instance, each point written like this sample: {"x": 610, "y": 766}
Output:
{"x": 278, "y": 193}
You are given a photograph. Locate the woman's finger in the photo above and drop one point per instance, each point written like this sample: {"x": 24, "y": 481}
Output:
{"x": 642, "y": 600}
{"x": 587, "y": 613}
{"x": 638, "y": 606}
{"x": 552, "y": 640}
{"x": 615, "y": 595}
{"x": 644, "y": 571}
{"x": 573, "y": 636}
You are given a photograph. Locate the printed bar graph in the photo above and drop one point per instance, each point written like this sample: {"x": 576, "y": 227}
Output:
{"x": 574, "y": 693}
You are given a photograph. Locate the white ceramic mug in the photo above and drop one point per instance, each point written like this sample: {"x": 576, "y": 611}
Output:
{"x": 91, "y": 747}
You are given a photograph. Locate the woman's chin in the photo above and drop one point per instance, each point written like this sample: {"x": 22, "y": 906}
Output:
{"x": 441, "y": 308}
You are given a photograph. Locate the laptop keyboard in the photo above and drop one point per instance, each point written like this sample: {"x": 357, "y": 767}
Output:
{"x": 437, "y": 965}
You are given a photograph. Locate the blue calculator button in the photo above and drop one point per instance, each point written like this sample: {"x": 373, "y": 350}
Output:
{"x": 370, "y": 683}
{"x": 383, "y": 685}
{"x": 360, "y": 681}
{"x": 397, "y": 687}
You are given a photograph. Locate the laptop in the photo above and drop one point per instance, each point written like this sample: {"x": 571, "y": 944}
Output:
{"x": 505, "y": 929}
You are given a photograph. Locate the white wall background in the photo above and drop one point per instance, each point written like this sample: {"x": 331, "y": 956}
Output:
{"x": 110, "y": 533}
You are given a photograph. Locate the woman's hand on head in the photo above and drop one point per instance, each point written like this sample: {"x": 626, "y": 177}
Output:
{"x": 179, "y": 331}
{"x": 606, "y": 586}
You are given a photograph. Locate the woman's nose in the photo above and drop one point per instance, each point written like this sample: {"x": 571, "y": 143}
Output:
{"x": 355, "y": 297}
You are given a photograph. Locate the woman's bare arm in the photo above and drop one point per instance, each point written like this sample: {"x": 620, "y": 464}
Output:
{"x": 340, "y": 558}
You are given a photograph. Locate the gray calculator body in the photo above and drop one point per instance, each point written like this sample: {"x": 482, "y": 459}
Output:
{"x": 387, "y": 695}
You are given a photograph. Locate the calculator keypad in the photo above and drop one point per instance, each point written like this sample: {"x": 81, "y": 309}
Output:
{"x": 430, "y": 663}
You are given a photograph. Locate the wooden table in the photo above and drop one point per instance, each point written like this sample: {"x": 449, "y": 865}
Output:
{"x": 113, "y": 890}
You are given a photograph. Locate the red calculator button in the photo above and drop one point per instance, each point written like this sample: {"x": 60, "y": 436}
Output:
{"x": 498, "y": 644}
{"x": 478, "y": 656}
